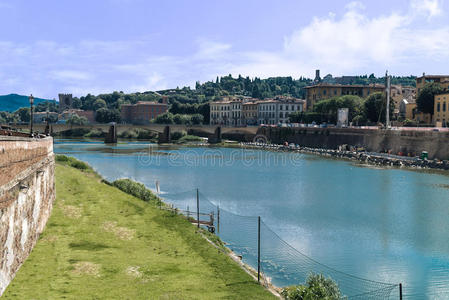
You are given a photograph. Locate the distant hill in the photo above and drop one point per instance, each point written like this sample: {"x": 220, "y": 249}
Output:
{"x": 13, "y": 102}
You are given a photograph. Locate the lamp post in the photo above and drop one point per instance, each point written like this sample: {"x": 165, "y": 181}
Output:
{"x": 31, "y": 98}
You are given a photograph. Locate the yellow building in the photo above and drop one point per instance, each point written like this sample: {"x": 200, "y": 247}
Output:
{"x": 441, "y": 110}
{"x": 442, "y": 80}
{"x": 322, "y": 91}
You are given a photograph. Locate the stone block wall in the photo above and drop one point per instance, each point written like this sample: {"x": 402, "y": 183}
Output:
{"x": 406, "y": 141}
{"x": 27, "y": 192}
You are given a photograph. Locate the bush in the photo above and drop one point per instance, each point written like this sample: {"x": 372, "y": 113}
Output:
{"x": 177, "y": 135}
{"x": 317, "y": 287}
{"x": 190, "y": 138}
{"x": 61, "y": 158}
{"x": 79, "y": 165}
{"x": 134, "y": 188}
{"x": 95, "y": 133}
{"x": 73, "y": 162}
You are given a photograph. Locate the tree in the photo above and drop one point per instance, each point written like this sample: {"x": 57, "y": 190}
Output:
{"x": 23, "y": 114}
{"x": 317, "y": 287}
{"x": 99, "y": 103}
{"x": 197, "y": 119}
{"x": 375, "y": 107}
{"x": 104, "y": 115}
{"x": 425, "y": 100}
{"x": 166, "y": 118}
{"x": 77, "y": 120}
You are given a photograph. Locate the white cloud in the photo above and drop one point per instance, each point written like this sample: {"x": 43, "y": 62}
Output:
{"x": 350, "y": 43}
{"x": 70, "y": 75}
{"x": 356, "y": 43}
{"x": 428, "y": 8}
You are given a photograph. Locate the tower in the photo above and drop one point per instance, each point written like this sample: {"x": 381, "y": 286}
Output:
{"x": 65, "y": 102}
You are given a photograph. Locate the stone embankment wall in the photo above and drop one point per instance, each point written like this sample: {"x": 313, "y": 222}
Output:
{"x": 407, "y": 142}
{"x": 27, "y": 191}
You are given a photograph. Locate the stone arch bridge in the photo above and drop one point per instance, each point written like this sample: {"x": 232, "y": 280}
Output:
{"x": 238, "y": 133}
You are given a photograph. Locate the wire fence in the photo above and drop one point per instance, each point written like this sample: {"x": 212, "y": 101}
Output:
{"x": 279, "y": 261}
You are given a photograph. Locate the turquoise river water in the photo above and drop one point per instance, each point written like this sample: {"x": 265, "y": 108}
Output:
{"x": 386, "y": 225}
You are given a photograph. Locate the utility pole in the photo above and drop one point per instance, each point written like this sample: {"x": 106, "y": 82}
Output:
{"x": 218, "y": 218}
{"x": 388, "y": 90}
{"x": 258, "y": 250}
{"x": 198, "y": 208}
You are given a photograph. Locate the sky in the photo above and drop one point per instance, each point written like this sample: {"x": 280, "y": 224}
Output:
{"x": 99, "y": 46}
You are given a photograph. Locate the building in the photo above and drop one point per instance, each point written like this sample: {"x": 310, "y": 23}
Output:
{"x": 249, "y": 111}
{"x": 286, "y": 106}
{"x": 399, "y": 93}
{"x": 88, "y": 114}
{"x": 322, "y": 91}
{"x": 220, "y": 112}
{"x": 236, "y": 113}
{"x": 41, "y": 117}
{"x": 267, "y": 112}
{"x": 407, "y": 109}
{"x": 441, "y": 110}
{"x": 442, "y": 80}
{"x": 142, "y": 112}
{"x": 65, "y": 102}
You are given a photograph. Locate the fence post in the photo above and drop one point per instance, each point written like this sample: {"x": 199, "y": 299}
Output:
{"x": 258, "y": 250}
{"x": 400, "y": 291}
{"x": 218, "y": 218}
{"x": 198, "y": 208}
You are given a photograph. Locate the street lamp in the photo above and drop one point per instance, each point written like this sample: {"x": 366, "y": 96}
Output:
{"x": 31, "y": 114}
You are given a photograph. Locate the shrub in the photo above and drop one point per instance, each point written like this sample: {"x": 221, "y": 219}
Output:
{"x": 317, "y": 287}
{"x": 178, "y": 134}
{"x": 95, "y": 133}
{"x": 73, "y": 162}
{"x": 190, "y": 138}
{"x": 134, "y": 188}
{"x": 61, "y": 158}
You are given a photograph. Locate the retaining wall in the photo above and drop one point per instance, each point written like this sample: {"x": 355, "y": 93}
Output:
{"x": 27, "y": 192}
{"x": 405, "y": 141}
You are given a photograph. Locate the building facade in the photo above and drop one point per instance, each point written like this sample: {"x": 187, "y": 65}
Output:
{"x": 287, "y": 106}
{"x": 236, "y": 113}
{"x": 442, "y": 80}
{"x": 267, "y": 112}
{"x": 41, "y": 117}
{"x": 250, "y": 115}
{"x": 441, "y": 110}
{"x": 142, "y": 112}
{"x": 322, "y": 91}
{"x": 242, "y": 112}
{"x": 220, "y": 112}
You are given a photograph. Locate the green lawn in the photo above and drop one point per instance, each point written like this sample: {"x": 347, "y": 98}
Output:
{"x": 101, "y": 243}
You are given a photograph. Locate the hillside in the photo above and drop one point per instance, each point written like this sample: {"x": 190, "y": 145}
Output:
{"x": 13, "y": 102}
{"x": 101, "y": 243}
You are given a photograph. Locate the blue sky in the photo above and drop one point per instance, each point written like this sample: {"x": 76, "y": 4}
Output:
{"x": 48, "y": 47}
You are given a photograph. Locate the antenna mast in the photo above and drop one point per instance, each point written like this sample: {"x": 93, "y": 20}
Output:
{"x": 387, "y": 89}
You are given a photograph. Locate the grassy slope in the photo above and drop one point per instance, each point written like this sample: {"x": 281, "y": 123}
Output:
{"x": 82, "y": 255}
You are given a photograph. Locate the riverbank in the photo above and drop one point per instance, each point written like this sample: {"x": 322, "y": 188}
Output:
{"x": 375, "y": 159}
{"x": 103, "y": 243}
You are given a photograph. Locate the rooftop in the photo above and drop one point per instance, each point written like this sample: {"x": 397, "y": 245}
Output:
{"x": 346, "y": 85}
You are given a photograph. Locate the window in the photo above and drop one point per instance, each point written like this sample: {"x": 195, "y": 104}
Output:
{"x": 438, "y": 107}
{"x": 444, "y": 106}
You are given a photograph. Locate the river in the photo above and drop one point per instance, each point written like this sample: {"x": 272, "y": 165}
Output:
{"x": 387, "y": 225}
